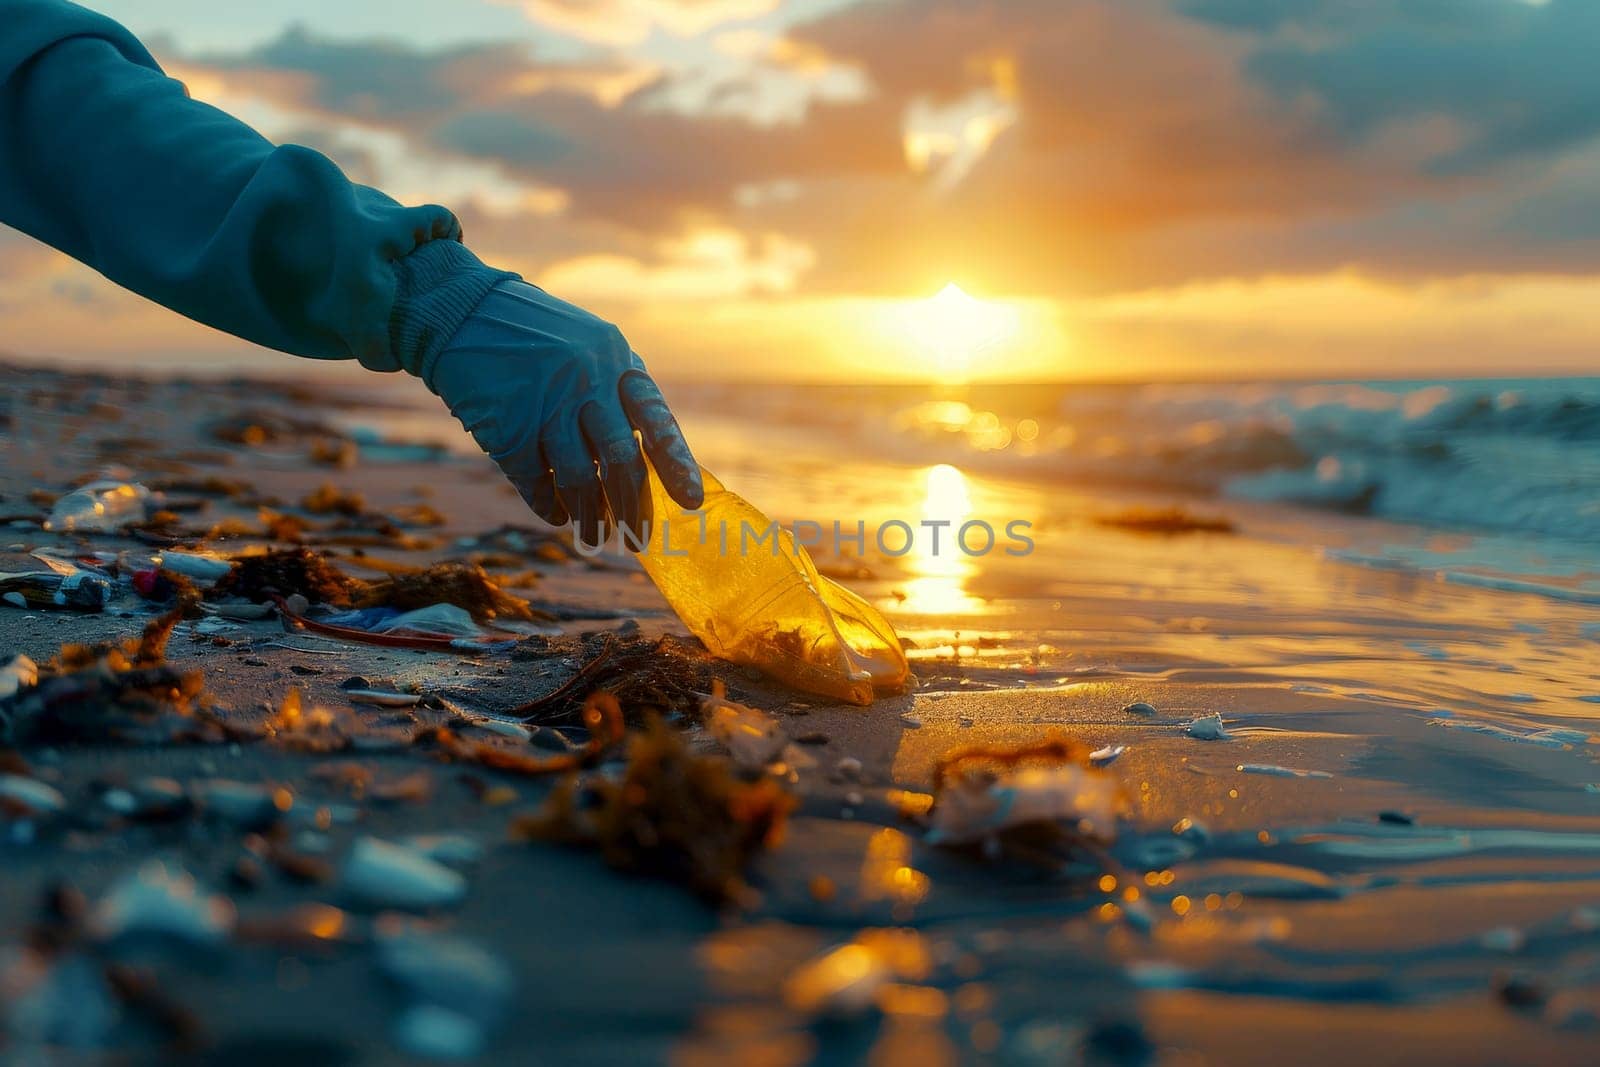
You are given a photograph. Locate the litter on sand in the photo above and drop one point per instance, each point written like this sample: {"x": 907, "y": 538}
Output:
{"x": 984, "y": 791}
{"x": 1208, "y": 728}
{"x": 752, "y": 737}
{"x": 765, "y": 605}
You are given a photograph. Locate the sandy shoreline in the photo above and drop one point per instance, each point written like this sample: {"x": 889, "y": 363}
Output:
{"x": 1294, "y": 917}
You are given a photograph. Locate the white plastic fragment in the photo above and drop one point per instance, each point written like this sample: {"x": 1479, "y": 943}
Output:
{"x": 99, "y": 507}
{"x": 752, "y": 737}
{"x": 975, "y": 808}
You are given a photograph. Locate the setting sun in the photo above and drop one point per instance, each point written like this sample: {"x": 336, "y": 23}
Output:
{"x": 953, "y": 329}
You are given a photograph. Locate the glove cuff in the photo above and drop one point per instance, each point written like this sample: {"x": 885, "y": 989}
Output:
{"x": 436, "y": 288}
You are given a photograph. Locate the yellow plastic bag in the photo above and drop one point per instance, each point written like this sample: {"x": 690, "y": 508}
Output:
{"x": 741, "y": 584}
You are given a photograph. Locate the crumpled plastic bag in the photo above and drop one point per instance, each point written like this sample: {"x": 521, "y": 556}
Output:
{"x": 765, "y": 605}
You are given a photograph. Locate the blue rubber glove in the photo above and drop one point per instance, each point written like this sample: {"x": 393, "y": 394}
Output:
{"x": 554, "y": 394}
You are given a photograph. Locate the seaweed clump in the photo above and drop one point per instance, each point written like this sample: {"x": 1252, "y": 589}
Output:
{"x": 465, "y": 585}
{"x": 1173, "y": 520}
{"x": 671, "y": 814}
{"x": 664, "y": 677}
{"x": 284, "y": 572}
{"x": 123, "y": 691}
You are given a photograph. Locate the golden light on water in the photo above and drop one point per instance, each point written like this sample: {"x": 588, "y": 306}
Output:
{"x": 938, "y": 585}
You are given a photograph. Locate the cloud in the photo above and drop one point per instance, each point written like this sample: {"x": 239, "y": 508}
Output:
{"x": 707, "y": 264}
{"x": 624, "y": 22}
{"x": 1516, "y": 78}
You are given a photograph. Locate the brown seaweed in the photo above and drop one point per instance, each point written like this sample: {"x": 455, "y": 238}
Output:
{"x": 285, "y": 572}
{"x": 672, "y": 814}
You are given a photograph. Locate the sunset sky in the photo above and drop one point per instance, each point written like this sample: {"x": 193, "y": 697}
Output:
{"x": 780, "y": 188}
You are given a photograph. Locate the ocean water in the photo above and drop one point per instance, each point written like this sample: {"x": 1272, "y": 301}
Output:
{"x": 1492, "y": 482}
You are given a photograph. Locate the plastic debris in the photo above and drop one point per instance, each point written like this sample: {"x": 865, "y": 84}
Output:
{"x": 764, "y": 604}
{"x": 80, "y": 590}
{"x": 103, "y": 506}
{"x": 1209, "y": 728}
{"x": 1104, "y": 757}
{"x": 442, "y": 627}
{"x": 20, "y": 673}
{"x": 200, "y": 567}
{"x": 384, "y": 875}
{"x": 983, "y": 791}
{"x": 752, "y": 737}
{"x": 157, "y": 906}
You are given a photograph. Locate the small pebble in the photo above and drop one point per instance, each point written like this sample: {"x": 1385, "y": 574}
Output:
{"x": 387, "y": 875}
{"x": 38, "y": 797}
{"x": 1139, "y": 707}
{"x": 162, "y": 905}
{"x": 848, "y": 768}
{"x": 1209, "y": 728}
{"x": 436, "y": 1033}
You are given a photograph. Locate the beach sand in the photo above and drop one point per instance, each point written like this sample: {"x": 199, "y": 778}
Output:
{"x": 1392, "y": 855}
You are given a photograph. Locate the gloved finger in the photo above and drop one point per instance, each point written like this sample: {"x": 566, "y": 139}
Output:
{"x": 576, "y": 484}
{"x": 622, "y": 470}
{"x": 663, "y": 441}
{"x": 528, "y": 471}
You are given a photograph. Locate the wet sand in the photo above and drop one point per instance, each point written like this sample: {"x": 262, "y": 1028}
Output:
{"x": 1393, "y": 855}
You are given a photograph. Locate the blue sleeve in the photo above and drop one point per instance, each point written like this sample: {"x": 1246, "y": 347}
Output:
{"x": 105, "y": 158}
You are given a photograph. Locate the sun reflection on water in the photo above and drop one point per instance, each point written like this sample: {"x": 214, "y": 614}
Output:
{"x": 940, "y": 571}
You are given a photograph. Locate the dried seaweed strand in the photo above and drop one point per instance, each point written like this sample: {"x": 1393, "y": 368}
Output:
{"x": 602, "y": 715}
{"x": 565, "y": 689}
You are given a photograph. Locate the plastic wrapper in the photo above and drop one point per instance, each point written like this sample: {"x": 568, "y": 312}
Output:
{"x": 100, "y": 507}
{"x": 763, "y": 603}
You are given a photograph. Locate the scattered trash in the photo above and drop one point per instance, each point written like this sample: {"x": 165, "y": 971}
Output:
{"x": 670, "y": 813}
{"x": 383, "y": 875}
{"x": 1209, "y": 728}
{"x": 752, "y": 737}
{"x": 200, "y": 567}
{"x": 768, "y": 609}
{"x": 982, "y": 791}
{"x": 103, "y": 506}
{"x": 81, "y": 590}
{"x": 442, "y": 627}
